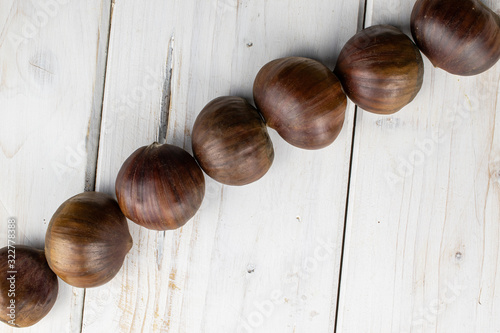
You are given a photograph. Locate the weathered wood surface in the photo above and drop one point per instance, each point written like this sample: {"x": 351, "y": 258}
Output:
{"x": 50, "y": 74}
{"x": 422, "y": 201}
{"x": 422, "y": 234}
{"x": 246, "y": 244}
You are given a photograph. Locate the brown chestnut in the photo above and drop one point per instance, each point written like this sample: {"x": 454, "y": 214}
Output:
{"x": 87, "y": 240}
{"x": 160, "y": 187}
{"x": 461, "y": 37}
{"x": 230, "y": 141}
{"x": 302, "y": 100}
{"x": 28, "y": 288}
{"x": 380, "y": 68}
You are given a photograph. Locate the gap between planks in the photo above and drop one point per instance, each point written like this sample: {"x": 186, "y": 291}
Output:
{"x": 361, "y": 26}
{"x": 94, "y": 129}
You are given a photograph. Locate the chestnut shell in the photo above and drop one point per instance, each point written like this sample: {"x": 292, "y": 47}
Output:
{"x": 380, "y": 68}
{"x": 160, "y": 187}
{"x": 87, "y": 240}
{"x": 230, "y": 141}
{"x": 35, "y": 289}
{"x": 460, "y": 37}
{"x": 302, "y": 100}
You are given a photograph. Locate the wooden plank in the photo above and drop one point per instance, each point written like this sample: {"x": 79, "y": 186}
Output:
{"x": 265, "y": 255}
{"x": 49, "y": 73}
{"x": 422, "y": 235}
{"x": 138, "y": 54}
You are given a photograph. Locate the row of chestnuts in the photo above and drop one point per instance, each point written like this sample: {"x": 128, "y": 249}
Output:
{"x": 161, "y": 186}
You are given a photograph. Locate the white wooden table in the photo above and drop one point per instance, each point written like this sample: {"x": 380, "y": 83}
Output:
{"x": 392, "y": 228}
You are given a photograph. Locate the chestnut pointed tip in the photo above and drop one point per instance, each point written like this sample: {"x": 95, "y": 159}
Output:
{"x": 130, "y": 244}
{"x": 152, "y": 146}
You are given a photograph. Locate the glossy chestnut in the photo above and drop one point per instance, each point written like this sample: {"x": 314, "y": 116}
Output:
{"x": 87, "y": 240}
{"x": 160, "y": 187}
{"x": 230, "y": 141}
{"x": 380, "y": 68}
{"x": 461, "y": 37}
{"x": 302, "y": 100}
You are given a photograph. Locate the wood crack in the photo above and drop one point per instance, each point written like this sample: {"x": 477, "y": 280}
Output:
{"x": 95, "y": 121}
{"x": 336, "y": 308}
{"x": 166, "y": 94}
{"x": 43, "y": 69}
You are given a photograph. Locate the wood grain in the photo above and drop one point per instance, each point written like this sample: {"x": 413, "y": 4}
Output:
{"x": 49, "y": 73}
{"x": 421, "y": 246}
{"x": 421, "y": 249}
{"x": 277, "y": 239}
